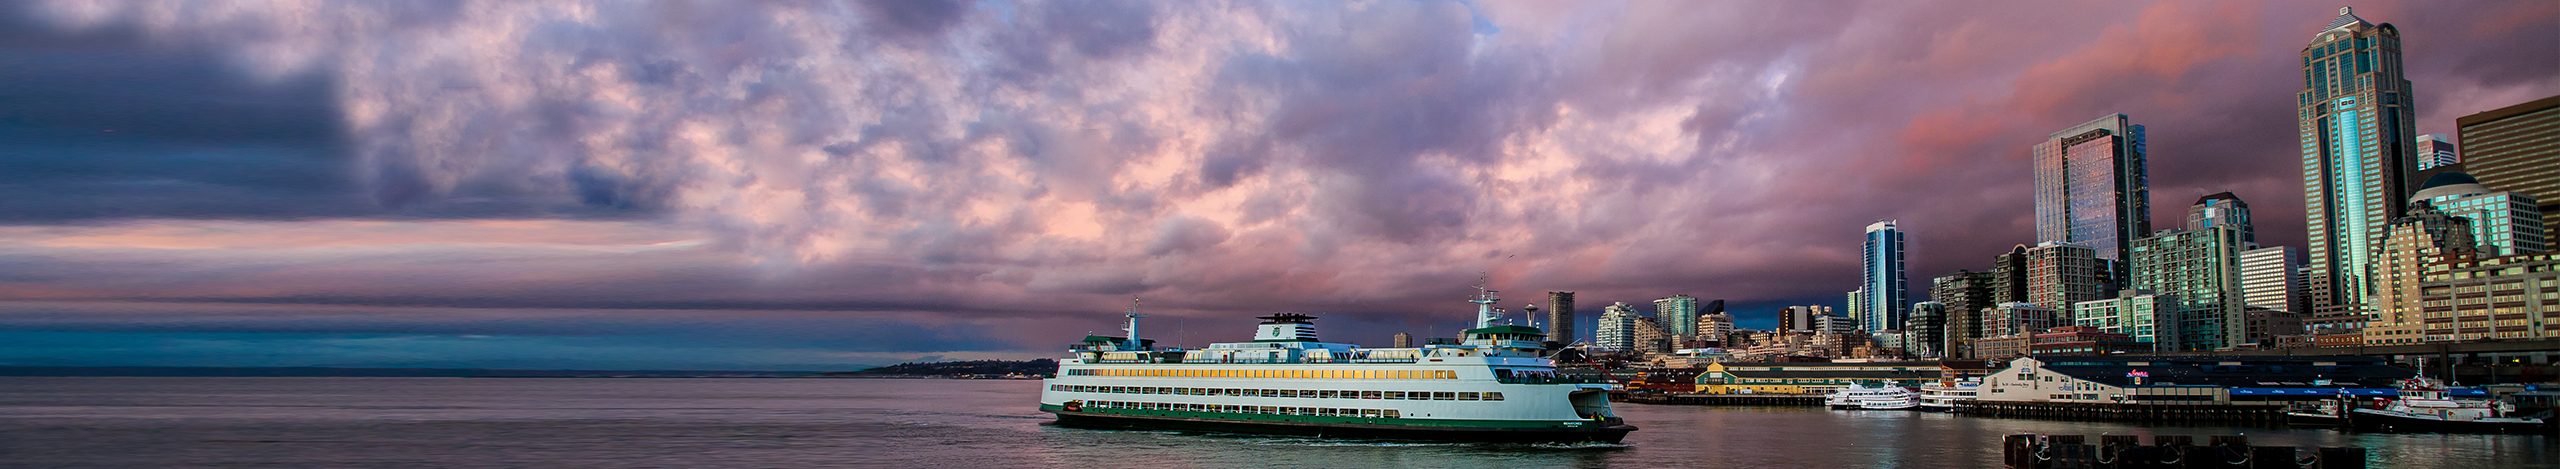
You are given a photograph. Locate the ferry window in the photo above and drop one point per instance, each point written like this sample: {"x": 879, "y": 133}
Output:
{"x": 1270, "y": 410}
{"x": 1368, "y": 394}
{"x": 1397, "y": 395}
{"x": 1392, "y": 413}
{"x": 1270, "y": 393}
{"x": 1288, "y": 393}
{"x": 1493, "y": 396}
{"x": 1325, "y": 394}
{"x": 1469, "y": 396}
{"x": 1444, "y": 396}
{"x": 1369, "y": 413}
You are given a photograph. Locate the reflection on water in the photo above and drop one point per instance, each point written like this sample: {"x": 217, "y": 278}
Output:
{"x": 123, "y": 422}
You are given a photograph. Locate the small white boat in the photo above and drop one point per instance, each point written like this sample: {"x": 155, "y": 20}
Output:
{"x": 1943, "y": 396}
{"x": 1860, "y": 396}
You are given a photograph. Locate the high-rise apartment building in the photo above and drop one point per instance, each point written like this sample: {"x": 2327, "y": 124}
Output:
{"x": 2512, "y": 148}
{"x": 1404, "y": 340}
{"x": 1886, "y": 294}
{"x": 1964, "y": 295}
{"x": 1679, "y": 315}
{"x": 2093, "y": 188}
{"x": 2425, "y": 236}
{"x": 2223, "y": 209}
{"x": 1617, "y": 328}
{"x": 2146, "y": 317}
{"x": 1857, "y": 306}
{"x": 2199, "y": 272}
{"x": 2436, "y": 152}
{"x": 2503, "y": 222}
{"x": 2358, "y": 150}
{"x": 2059, "y": 274}
{"x": 2009, "y": 282}
{"x": 2269, "y": 279}
{"x": 1649, "y": 337}
{"x": 1927, "y": 334}
{"x": 1560, "y": 317}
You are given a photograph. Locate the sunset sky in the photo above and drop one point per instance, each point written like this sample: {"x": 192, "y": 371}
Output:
{"x": 818, "y": 186}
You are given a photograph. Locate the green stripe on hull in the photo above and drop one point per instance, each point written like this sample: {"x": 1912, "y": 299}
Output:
{"x": 1318, "y": 420}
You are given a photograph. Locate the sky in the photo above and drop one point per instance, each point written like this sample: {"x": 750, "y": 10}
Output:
{"x": 820, "y": 186}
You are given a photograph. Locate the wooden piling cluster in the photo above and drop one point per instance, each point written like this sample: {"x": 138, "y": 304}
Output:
{"x": 2235, "y": 412}
{"x": 2032, "y": 451}
{"x": 1783, "y": 400}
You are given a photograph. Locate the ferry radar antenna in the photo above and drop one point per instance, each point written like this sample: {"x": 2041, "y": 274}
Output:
{"x": 1133, "y": 342}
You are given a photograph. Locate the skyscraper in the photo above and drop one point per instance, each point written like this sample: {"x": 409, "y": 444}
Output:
{"x": 1617, "y": 331}
{"x": 1926, "y": 334}
{"x": 1679, "y": 315}
{"x": 2147, "y": 317}
{"x": 2502, "y": 222}
{"x": 2267, "y": 279}
{"x": 2059, "y": 274}
{"x": 1886, "y": 296}
{"x": 2358, "y": 149}
{"x": 1560, "y": 317}
{"x": 2223, "y": 209}
{"x": 1857, "y": 306}
{"x": 2092, "y": 188}
{"x": 2435, "y": 152}
{"x": 2009, "y": 276}
{"x": 2197, "y": 272}
{"x": 2411, "y": 244}
{"x": 2511, "y": 148}
{"x": 1963, "y": 295}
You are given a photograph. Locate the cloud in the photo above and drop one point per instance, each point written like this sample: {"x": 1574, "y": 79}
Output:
{"x": 974, "y": 161}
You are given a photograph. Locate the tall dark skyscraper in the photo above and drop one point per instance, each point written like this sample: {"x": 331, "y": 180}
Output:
{"x": 1962, "y": 296}
{"x": 1560, "y": 317}
{"x": 2092, "y": 186}
{"x": 2358, "y": 150}
{"x": 2009, "y": 277}
{"x": 2513, "y": 148}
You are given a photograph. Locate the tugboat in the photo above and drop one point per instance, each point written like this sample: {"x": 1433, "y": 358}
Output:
{"x": 1496, "y": 386}
{"x": 1859, "y": 396}
{"x": 2424, "y": 406}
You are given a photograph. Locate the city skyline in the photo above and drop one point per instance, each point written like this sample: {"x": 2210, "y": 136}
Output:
{"x": 914, "y": 180}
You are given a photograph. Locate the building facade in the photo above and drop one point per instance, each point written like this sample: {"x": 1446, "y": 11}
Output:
{"x": 2200, "y": 270}
{"x": 1679, "y": 314}
{"x": 1617, "y": 329}
{"x": 1962, "y": 295}
{"x": 2140, "y": 316}
{"x": 2220, "y": 210}
{"x": 2092, "y": 186}
{"x": 2502, "y": 222}
{"x": 1715, "y": 327}
{"x": 1887, "y": 288}
{"x": 1927, "y": 335}
{"x": 1560, "y": 317}
{"x": 2019, "y": 319}
{"x": 2358, "y": 149}
{"x": 2511, "y": 148}
{"x": 2425, "y": 236}
{"x": 2434, "y": 151}
{"x": 2059, "y": 274}
{"x": 2270, "y": 278}
{"x": 2503, "y": 297}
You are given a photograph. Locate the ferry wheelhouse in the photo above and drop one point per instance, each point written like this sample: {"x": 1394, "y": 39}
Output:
{"x": 1495, "y": 385}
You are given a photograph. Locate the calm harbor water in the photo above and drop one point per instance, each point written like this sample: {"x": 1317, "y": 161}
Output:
{"x": 409, "y": 422}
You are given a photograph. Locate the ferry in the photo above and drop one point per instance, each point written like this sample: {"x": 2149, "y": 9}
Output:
{"x": 1860, "y": 396}
{"x": 2424, "y": 406}
{"x": 1943, "y": 396}
{"x": 1494, "y": 386}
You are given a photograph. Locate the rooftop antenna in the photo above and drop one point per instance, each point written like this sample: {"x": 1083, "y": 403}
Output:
{"x": 1133, "y": 343}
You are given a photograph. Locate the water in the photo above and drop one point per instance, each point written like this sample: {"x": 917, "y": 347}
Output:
{"x": 410, "y": 422}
